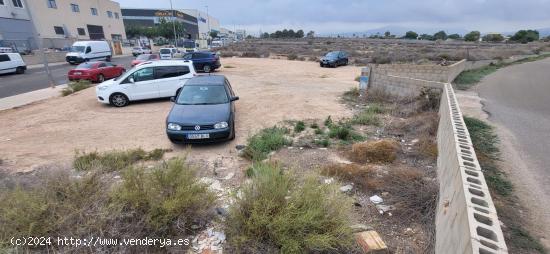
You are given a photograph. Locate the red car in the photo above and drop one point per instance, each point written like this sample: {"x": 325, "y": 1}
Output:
{"x": 95, "y": 71}
{"x": 144, "y": 58}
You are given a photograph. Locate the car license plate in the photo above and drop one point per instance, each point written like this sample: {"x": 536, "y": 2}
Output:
{"x": 78, "y": 73}
{"x": 198, "y": 136}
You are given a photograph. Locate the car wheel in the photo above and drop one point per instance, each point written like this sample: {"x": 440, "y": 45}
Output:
{"x": 119, "y": 100}
{"x": 322, "y": 65}
{"x": 100, "y": 78}
{"x": 20, "y": 70}
{"x": 207, "y": 68}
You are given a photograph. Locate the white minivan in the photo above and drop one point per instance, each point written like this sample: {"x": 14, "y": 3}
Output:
{"x": 149, "y": 80}
{"x": 12, "y": 62}
{"x": 83, "y": 51}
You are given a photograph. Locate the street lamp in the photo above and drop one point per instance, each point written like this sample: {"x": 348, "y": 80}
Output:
{"x": 208, "y": 21}
{"x": 173, "y": 23}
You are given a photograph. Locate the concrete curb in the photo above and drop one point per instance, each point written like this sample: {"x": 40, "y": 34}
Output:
{"x": 30, "y": 97}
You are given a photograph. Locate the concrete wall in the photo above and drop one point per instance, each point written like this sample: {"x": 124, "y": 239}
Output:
{"x": 466, "y": 219}
{"x": 430, "y": 72}
{"x": 53, "y": 57}
{"x": 403, "y": 87}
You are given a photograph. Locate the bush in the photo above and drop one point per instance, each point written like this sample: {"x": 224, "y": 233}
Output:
{"x": 323, "y": 142}
{"x": 342, "y": 132}
{"x": 367, "y": 117}
{"x": 114, "y": 160}
{"x": 314, "y": 126}
{"x": 276, "y": 214}
{"x": 384, "y": 151}
{"x": 267, "y": 140}
{"x": 74, "y": 87}
{"x": 328, "y": 122}
{"x": 169, "y": 193}
{"x": 299, "y": 126}
{"x": 292, "y": 57}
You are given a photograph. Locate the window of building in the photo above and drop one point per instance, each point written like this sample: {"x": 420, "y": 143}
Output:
{"x": 17, "y": 3}
{"x": 94, "y": 11}
{"x": 59, "y": 30}
{"x": 52, "y": 4}
{"x": 110, "y": 14}
{"x": 117, "y": 16}
{"x": 75, "y": 8}
{"x": 81, "y": 31}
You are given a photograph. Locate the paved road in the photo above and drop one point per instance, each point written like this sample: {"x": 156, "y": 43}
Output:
{"x": 518, "y": 99}
{"x": 11, "y": 84}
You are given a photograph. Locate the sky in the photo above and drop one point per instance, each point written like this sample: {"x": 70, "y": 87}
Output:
{"x": 341, "y": 16}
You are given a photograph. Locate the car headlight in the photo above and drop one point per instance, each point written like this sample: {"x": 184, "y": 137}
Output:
{"x": 221, "y": 125}
{"x": 101, "y": 88}
{"x": 174, "y": 127}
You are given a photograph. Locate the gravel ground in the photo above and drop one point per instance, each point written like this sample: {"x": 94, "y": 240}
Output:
{"x": 270, "y": 90}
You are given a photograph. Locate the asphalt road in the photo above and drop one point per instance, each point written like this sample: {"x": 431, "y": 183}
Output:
{"x": 518, "y": 99}
{"x": 34, "y": 79}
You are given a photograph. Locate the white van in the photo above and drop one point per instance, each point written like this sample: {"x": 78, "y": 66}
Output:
{"x": 83, "y": 51}
{"x": 12, "y": 62}
{"x": 149, "y": 80}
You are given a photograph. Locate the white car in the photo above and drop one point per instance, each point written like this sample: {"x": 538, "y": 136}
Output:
{"x": 149, "y": 80}
{"x": 141, "y": 50}
{"x": 12, "y": 62}
{"x": 168, "y": 53}
{"x": 84, "y": 51}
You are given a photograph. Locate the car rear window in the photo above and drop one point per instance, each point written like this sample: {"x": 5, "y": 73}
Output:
{"x": 86, "y": 66}
{"x": 203, "y": 95}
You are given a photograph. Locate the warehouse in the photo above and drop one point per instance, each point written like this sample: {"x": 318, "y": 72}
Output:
{"x": 152, "y": 17}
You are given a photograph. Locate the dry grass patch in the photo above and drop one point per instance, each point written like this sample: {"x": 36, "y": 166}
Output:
{"x": 361, "y": 175}
{"x": 427, "y": 147}
{"x": 382, "y": 151}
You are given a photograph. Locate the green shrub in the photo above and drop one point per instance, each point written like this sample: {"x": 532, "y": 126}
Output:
{"x": 74, "y": 87}
{"x": 323, "y": 142}
{"x": 319, "y": 131}
{"x": 314, "y": 126}
{"x": 114, "y": 160}
{"x": 328, "y": 122}
{"x": 277, "y": 214}
{"x": 267, "y": 140}
{"x": 169, "y": 193}
{"x": 367, "y": 117}
{"x": 299, "y": 126}
{"x": 292, "y": 57}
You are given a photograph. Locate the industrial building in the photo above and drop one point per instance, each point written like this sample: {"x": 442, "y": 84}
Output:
{"x": 152, "y": 17}
{"x": 206, "y": 23}
{"x": 16, "y": 29}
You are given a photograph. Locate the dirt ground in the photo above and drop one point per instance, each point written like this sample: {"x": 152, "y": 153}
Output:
{"x": 270, "y": 90}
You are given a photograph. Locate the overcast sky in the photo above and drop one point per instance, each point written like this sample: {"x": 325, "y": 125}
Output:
{"x": 338, "y": 16}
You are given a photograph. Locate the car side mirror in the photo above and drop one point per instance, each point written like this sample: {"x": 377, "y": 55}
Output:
{"x": 173, "y": 99}
{"x": 131, "y": 79}
{"x": 235, "y": 98}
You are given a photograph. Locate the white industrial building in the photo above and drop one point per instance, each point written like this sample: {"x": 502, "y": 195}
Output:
{"x": 206, "y": 22}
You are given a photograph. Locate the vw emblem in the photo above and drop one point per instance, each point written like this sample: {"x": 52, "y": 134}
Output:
{"x": 197, "y": 127}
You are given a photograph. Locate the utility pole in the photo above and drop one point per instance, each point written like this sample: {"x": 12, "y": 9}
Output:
{"x": 174, "y": 24}
{"x": 208, "y": 21}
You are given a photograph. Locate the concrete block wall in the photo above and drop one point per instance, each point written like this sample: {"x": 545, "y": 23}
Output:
{"x": 466, "y": 219}
{"x": 401, "y": 86}
{"x": 436, "y": 73}
{"x": 53, "y": 57}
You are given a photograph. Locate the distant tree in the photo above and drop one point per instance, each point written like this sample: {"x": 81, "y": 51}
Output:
{"x": 387, "y": 34}
{"x": 249, "y": 37}
{"x": 300, "y": 33}
{"x": 310, "y": 34}
{"x": 454, "y": 36}
{"x": 214, "y": 34}
{"x": 426, "y": 37}
{"x": 472, "y": 36}
{"x": 264, "y": 36}
{"x": 493, "y": 37}
{"x": 525, "y": 36}
{"x": 441, "y": 35}
{"x": 411, "y": 35}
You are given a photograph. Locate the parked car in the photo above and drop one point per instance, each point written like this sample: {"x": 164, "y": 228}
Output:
{"x": 334, "y": 59}
{"x": 204, "y": 111}
{"x": 204, "y": 61}
{"x": 166, "y": 53}
{"x": 149, "y": 80}
{"x": 136, "y": 51}
{"x": 6, "y": 50}
{"x": 145, "y": 58}
{"x": 84, "y": 51}
{"x": 95, "y": 71}
{"x": 12, "y": 63}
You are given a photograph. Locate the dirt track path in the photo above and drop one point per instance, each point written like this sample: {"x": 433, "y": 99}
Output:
{"x": 270, "y": 91}
{"x": 518, "y": 101}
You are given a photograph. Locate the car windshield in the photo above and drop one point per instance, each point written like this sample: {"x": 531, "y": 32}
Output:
{"x": 202, "y": 95}
{"x": 137, "y": 48}
{"x": 332, "y": 55}
{"x": 165, "y": 51}
{"x": 85, "y": 66}
{"x": 188, "y": 44}
{"x": 78, "y": 48}
{"x": 142, "y": 57}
